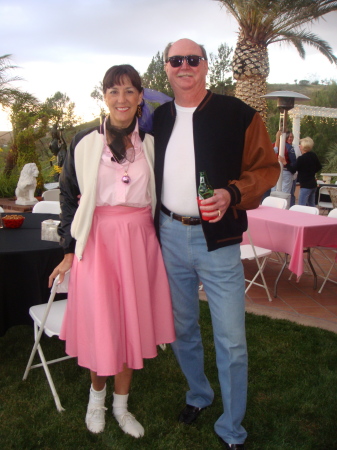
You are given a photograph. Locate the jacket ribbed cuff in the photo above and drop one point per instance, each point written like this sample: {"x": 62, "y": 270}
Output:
{"x": 234, "y": 193}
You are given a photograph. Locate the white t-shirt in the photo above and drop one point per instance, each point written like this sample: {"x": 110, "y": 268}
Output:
{"x": 179, "y": 193}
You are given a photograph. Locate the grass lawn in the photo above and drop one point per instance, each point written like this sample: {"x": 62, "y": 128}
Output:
{"x": 291, "y": 399}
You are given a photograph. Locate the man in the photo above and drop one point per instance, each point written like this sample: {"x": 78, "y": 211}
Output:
{"x": 200, "y": 131}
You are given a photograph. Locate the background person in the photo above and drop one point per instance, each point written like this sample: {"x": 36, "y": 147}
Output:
{"x": 202, "y": 131}
{"x": 119, "y": 305}
{"x": 289, "y": 178}
{"x": 307, "y": 165}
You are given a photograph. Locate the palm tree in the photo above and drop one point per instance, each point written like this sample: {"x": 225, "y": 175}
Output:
{"x": 265, "y": 22}
{"x": 7, "y": 93}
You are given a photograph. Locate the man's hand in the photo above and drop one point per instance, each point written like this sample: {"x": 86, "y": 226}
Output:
{"x": 216, "y": 206}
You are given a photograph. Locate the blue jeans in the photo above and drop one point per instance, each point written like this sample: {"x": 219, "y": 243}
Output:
{"x": 287, "y": 181}
{"x": 187, "y": 262}
{"x": 307, "y": 197}
{"x": 292, "y": 193}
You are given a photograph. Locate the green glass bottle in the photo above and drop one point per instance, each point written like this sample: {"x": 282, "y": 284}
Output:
{"x": 205, "y": 190}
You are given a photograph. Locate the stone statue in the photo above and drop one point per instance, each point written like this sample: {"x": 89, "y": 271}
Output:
{"x": 26, "y": 185}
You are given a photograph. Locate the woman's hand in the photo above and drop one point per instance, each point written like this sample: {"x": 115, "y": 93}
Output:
{"x": 216, "y": 206}
{"x": 61, "y": 269}
{"x": 282, "y": 160}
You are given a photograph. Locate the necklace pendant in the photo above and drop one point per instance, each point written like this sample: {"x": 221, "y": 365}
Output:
{"x": 125, "y": 178}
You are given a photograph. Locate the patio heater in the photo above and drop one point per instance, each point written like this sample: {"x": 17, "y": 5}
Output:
{"x": 285, "y": 102}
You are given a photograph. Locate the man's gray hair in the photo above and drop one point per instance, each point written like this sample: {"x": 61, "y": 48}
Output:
{"x": 169, "y": 45}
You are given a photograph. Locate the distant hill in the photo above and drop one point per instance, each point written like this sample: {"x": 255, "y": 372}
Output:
{"x": 307, "y": 90}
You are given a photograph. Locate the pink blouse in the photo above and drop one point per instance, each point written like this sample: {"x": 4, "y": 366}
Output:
{"x": 111, "y": 190}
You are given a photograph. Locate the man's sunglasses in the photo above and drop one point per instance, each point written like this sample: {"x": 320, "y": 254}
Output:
{"x": 192, "y": 60}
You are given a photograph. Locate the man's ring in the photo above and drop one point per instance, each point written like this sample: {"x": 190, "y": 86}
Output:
{"x": 219, "y": 212}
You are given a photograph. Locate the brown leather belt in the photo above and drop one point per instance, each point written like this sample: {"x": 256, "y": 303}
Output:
{"x": 183, "y": 219}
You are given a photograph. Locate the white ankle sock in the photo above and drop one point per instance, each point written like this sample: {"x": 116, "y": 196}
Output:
{"x": 120, "y": 404}
{"x": 97, "y": 397}
{"x": 125, "y": 419}
{"x": 95, "y": 417}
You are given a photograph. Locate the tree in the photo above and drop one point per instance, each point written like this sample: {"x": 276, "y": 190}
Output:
{"x": 62, "y": 109}
{"x": 322, "y": 130}
{"x": 97, "y": 94}
{"x": 330, "y": 166}
{"x": 8, "y": 94}
{"x": 220, "y": 66}
{"x": 155, "y": 76}
{"x": 264, "y": 22}
{"x": 30, "y": 122}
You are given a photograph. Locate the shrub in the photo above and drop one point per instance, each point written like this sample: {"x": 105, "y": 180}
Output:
{"x": 331, "y": 160}
{"x": 8, "y": 184}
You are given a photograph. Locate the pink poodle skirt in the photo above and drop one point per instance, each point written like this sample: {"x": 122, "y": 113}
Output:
{"x": 119, "y": 306}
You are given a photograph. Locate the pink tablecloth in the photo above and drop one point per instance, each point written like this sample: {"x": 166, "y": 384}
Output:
{"x": 290, "y": 232}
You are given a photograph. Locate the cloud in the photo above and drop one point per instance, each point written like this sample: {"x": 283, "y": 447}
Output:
{"x": 67, "y": 45}
{"x": 41, "y": 30}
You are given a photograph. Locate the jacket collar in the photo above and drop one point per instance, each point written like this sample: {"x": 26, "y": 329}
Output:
{"x": 201, "y": 105}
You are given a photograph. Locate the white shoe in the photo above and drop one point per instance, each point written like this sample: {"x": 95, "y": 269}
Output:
{"x": 95, "y": 418}
{"x": 130, "y": 425}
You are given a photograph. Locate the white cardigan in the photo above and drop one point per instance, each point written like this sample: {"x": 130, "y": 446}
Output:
{"x": 87, "y": 156}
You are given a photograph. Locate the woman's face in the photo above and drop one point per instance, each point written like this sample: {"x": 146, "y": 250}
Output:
{"x": 122, "y": 101}
{"x": 290, "y": 138}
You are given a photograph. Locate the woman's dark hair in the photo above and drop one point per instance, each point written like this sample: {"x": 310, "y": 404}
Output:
{"x": 114, "y": 76}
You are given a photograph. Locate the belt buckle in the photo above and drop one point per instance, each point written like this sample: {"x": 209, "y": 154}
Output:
{"x": 185, "y": 219}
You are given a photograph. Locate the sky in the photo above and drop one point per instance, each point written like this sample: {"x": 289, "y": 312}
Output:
{"x": 67, "y": 45}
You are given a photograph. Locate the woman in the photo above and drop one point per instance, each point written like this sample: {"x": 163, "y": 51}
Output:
{"x": 119, "y": 306}
{"x": 306, "y": 165}
{"x": 288, "y": 177}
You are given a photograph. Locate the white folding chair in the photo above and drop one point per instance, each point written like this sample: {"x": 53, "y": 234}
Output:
{"x": 322, "y": 203}
{"x": 1, "y": 209}
{"x": 333, "y": 195}
{"x": 51, "y": 207}
{"x": 52, "y": 194}
{"x": 305, "y": 209}
{"x": 250, "y": 252}
{"x": 332, "y": 214}
{"x": 275, "y": 202}
{"x": 48, "y": 318}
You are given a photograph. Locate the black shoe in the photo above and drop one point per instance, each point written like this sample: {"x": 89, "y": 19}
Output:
{"x": 234, "y": 446}
{"x": 189, "y": 414}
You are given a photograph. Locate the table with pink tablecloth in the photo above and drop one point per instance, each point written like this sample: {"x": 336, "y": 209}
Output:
{"x": 291, "y": 232}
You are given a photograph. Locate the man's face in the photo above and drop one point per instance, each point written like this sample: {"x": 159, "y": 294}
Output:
{"x": 186, "y": 77}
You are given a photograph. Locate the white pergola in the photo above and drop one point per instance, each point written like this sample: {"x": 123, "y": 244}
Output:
{"x": 299, "y": 111}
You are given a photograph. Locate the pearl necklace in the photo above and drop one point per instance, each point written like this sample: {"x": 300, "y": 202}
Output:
{"x": 125, "y": 178}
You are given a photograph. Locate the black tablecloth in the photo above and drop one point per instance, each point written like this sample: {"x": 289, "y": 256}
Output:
{"x": 25, "y": 265}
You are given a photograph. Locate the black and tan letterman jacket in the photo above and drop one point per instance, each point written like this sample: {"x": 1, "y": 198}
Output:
{"x": 232, "y": 145}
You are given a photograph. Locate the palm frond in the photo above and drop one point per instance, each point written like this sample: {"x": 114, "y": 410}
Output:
{"x": 303, "y": 37}
{"x": 263, "y": 22}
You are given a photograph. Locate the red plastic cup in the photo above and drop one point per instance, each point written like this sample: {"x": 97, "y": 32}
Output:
{"x": 202, "y": 216}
